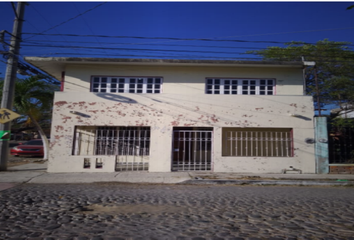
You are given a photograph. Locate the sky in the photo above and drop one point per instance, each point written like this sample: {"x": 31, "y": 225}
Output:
{"x": 173, "y": 30}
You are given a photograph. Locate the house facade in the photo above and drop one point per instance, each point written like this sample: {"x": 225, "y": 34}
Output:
{"x": 161, "y": 115}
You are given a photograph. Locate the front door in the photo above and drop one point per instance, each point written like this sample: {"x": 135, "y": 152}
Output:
{"x": 192, "y": 149}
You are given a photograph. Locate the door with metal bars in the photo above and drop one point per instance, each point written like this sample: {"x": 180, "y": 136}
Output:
{"x": 192, "y": 149}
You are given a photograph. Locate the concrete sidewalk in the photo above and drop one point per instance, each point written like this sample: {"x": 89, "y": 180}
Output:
{"x": 36, "y": 173}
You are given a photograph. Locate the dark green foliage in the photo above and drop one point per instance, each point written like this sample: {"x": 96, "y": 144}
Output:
{"x": 34, "y": 99}
{"x": 33, "y": 96}
{"x": 334, "y": 65}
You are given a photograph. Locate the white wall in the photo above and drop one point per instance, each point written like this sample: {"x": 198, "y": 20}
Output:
{"x": 162, "y": 112}
{"x": 182, "y": 103}
{"x": 185, "y": 80}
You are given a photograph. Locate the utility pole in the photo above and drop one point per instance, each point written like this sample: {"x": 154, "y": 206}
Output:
{"x": 9, "y": 81}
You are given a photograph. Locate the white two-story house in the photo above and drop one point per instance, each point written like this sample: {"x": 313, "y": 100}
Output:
{"x": 161, "y": 115}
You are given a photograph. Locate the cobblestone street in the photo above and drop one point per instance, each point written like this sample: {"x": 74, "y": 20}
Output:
{"x": 147, "y": 211}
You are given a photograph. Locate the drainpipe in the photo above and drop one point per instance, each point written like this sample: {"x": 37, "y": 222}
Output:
{"x": 306, "y": 64}
{"x": 304, "y": 81}
{"x": 303, "y": 77}
{"x": 312, "y": 64}
{"x": 62, "y": 81}
{"x": 317, "y": 92}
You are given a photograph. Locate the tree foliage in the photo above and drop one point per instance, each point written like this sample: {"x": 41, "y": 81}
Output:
{"x": 34, "y": 99}
{"x": 334, "y": 68}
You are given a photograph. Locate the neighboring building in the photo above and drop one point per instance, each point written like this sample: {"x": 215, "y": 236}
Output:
{"x": 179, "y": 115}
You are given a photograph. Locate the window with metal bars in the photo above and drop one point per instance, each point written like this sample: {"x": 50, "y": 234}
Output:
{"x": 257, "y": 142}
{"x": 127, "y": 141}
{"x": 126, "y": 84}
{"x": 240, "y": 86}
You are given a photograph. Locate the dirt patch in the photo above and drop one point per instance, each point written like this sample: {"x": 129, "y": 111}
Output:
{"x": 124, "y": 209}
{"x": 17, "y": 161}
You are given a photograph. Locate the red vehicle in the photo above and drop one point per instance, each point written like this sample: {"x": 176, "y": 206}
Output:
{"x": 30, "y": 148}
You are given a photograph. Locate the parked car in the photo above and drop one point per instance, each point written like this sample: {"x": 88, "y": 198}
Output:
{"x": 30, "y": 148}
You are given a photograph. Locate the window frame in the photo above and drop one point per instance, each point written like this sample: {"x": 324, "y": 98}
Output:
{"x": 123, "y": 84}
{"x": 235, "y": 86}
{"x": 111, "y": 140}
{"x": 257, "y": 142}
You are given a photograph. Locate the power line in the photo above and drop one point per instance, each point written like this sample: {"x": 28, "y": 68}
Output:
{"x": 21, "y": 65}
{"x": 45, "y": 19}
{"x": 14, "y": 9}
{"x": 70, "y": 19}
{"x": 160, "y": 38}
{"x": 130, "y": 49}
{"x": 146, "y": 49}
{"x": 154, "y": 56}
{"x": 169, "y": 38}
{"x": 173, "y": 45}
{"x": 3, "y": 62}
{"x": 87, "y": 24}
{"x": 148, "y": 44}
{"x": 185, "y": 57}
{"x": 316, "y": 30}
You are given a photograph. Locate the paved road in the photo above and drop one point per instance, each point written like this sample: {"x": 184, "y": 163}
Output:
{"x": 141, "y": 211}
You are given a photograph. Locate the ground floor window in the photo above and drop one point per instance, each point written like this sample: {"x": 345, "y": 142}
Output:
{"x": 257, "y": 142}
{"x": 113, "y": 140}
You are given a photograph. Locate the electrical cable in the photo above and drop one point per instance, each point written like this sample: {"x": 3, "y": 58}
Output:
{"x": 70, "y": 19}
{"x": 189, "y": 57}
{"x": 46, "y": 20}
{"x": 175, "y": 50}
{"x": 129, "y": 49}
{"x": 157, "y": 56}
{"x": 145, "y": 49}
{"x": 87, "y": 24}
{"x": 14, "y": 9}
{"x": 168, "y": 38}
{"x": 149, "y": 44}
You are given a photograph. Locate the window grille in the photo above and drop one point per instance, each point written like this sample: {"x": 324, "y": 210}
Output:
{"x": 127, "y": 141}
{"x": 240, "y": 86}
{"x": 126, "y": 84}
{"x": 262, "y": 142}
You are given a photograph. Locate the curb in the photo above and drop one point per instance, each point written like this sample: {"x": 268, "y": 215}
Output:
{"x": 272, "y": 182}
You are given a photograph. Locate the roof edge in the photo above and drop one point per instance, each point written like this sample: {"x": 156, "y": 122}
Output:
{"x": 157, "y": 61}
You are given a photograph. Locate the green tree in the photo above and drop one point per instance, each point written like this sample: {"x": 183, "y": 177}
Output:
{"x": 34, "y": 99}
{"x": 334, "y": 69}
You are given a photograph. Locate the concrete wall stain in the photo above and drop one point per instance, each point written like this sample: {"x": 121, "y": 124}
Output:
{"x": 60, "y": 103}
{"x": 59, "y": 128}
{"x": 175, "y": 123}
{"x": 214, "y": 119}
{"x": 65, "y": 118}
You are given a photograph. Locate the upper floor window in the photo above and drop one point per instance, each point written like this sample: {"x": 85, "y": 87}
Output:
{"x": 126, "y": 84}
{"x": 240, "y": 86}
